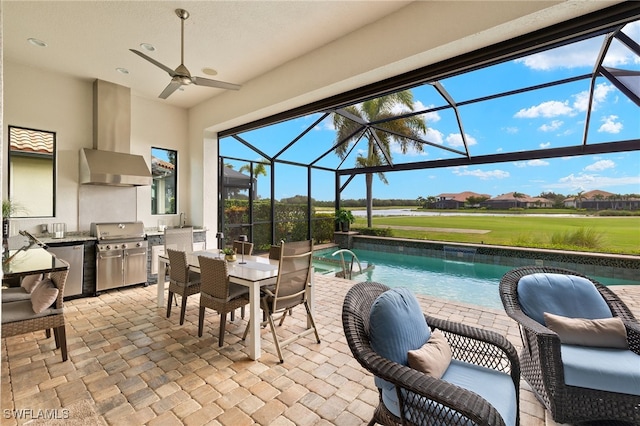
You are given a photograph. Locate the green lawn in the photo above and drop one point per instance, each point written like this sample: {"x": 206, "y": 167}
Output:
{"x": 615, "y": 234}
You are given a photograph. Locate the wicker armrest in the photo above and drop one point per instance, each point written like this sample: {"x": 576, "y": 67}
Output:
{"x": 474, "y": 407}
{"x": 633, "y": 336}
{"x": 481, "y": 347}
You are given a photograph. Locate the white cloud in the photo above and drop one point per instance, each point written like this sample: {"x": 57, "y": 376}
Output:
{"x": 610, "y": 125}
{"x": 434, "y": 136}
{"x": 481, "y": 174}
{"x": 582, "y": 54}
{"x": 600, "y": 92}
{"x": 511, "y": 130}
{"x": 537, "y": 163}
{"x": 588, "y": 182}
{"x": 554, "y": 125}
{"x": 600, "y": 165}
{"x": 546, "y": 109}
{"x": 531, "y": 163}
{"x": 545, "y": 145}
{"x": 455, "y": 140}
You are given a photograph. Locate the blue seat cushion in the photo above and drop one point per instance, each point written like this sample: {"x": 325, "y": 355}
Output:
{"x": 607, "y": 369}
{"x": 567, "y": 295}
{"x": 494, "y": 386}
{"x": 396, "y": 326}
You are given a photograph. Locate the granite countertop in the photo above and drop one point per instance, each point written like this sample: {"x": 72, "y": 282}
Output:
{"x": 69, "y": 237}
{"x": 155, "y": 231}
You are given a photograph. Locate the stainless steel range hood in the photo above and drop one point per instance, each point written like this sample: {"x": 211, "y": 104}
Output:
{"x": 110, "y": 162}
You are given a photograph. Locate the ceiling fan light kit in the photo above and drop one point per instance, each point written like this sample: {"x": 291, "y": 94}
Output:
{"x": 181, "y": 75}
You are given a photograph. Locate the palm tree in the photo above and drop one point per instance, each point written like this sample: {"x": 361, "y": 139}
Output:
{"x": 517, "y": 196}
{"x": 353, "y": 123}
{"x": 579, "y": 198}
{"x": 255, "y": 169}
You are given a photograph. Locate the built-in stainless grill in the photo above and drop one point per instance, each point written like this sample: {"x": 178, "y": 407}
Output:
{"x": 121, "y": 254}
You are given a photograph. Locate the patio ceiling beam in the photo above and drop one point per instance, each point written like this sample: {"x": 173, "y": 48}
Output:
{"x": 601, "y": 148}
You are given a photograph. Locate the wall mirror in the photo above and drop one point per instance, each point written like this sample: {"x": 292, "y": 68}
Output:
{"x": 164, "y": 170}
{"x": 32, "y": 172}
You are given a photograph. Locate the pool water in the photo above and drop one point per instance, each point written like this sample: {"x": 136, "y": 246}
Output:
{"x": 467, "y": 282}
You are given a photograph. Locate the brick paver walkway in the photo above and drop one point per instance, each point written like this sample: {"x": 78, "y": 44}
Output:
{"x": 132, "y": 366}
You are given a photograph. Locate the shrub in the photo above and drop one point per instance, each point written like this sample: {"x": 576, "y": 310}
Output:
{"x": 376, "y": 232}
{"x": 581, "y": 237}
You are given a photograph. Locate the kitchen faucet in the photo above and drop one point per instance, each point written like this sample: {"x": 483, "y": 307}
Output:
{"x": 183, "y": 219}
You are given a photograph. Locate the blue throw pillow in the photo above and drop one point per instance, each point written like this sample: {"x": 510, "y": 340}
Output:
{"x": 397, "y": 326}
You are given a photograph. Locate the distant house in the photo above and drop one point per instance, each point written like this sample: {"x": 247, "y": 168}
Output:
{"x": 601, "y": 200}
{"x": 456, "y": 201}
{"x": 508, "y": 201}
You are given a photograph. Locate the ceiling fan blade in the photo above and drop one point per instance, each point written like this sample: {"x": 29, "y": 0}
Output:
{"x": 172, "y": 87}
{"x": 201, "y": 81}
{"x": 154, "y": 62}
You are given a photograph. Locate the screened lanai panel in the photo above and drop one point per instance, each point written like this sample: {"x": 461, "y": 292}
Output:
{"x": 271, "y": 139}
{"x": 232, "y": 148}
{"x": 613, "y": 115}
{"x": 316, "y": 136}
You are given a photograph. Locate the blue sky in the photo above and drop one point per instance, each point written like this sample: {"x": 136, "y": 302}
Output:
{"x": 547, "y": 118}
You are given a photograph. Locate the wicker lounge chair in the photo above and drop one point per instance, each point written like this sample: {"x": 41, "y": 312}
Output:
{"x": 542, "y": 362}
{"x": 18, "y": 317}
{"x": 425, "y": 399}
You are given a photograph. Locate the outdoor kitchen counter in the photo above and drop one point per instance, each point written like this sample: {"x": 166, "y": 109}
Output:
{"x": 70, "y": 237}
{"x": 155, "y": 232}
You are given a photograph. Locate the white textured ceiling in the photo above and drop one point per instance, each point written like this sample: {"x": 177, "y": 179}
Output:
{"x": 242, "y": 40}
{"x": 239, "y": 39}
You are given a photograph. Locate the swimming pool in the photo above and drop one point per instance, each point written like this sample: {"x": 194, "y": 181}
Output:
{"x": 467, "y": 282}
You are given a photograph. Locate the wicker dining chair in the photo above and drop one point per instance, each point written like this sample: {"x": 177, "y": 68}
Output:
{"x": 243, "y": 246}
{"x": 424, "y": 399}
{"x": 541, "y": 357}
{"x": 217, "y": 293}
{"x": 182, "y": 280}
{"x": 18, "y": 317}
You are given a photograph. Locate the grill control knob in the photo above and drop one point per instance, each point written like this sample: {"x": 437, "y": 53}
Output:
{"x": 124, "y": 246}
{"x": 138, "y": 244}
{"x": 108, "y": 247}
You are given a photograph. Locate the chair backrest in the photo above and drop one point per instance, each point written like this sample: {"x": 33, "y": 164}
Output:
{"x": 59, "y": 279}
{"x": 560, "y": 294}
{"x": 294, "y": 274}
{"x": 240, "y": 246}
{"x": 274, "y": 252}
{"x": 179, "y": 239}
{"x": 179, "y": 269}
{"x": 214, "y": 277}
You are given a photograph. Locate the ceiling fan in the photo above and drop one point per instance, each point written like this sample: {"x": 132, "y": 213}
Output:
{"x": 181, "y": 75}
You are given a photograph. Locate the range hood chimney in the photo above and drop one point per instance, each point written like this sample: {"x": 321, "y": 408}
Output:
{"x": 110, "y": 161}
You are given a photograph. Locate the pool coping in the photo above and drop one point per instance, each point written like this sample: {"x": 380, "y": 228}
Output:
{"x": 617, "y": 266}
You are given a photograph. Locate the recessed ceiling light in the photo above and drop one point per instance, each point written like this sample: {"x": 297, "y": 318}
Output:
{"x": 37, "y": 42}
{"x": 148, "y": 47}
{"x": 209, "y": 71}
{"x": 122, "y": 70}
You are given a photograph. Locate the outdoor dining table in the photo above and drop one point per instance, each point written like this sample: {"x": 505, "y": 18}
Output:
{"x": 255, "y": 272}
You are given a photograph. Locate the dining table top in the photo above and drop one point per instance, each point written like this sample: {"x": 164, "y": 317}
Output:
{"x": 29, "y": 262}
{"x": 254, "y": 268}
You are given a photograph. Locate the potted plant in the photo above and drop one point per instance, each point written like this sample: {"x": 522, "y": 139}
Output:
{"x": 9, "y": 208}
{"x": 229, "y": 254}
{"x": 344, "y": 218}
